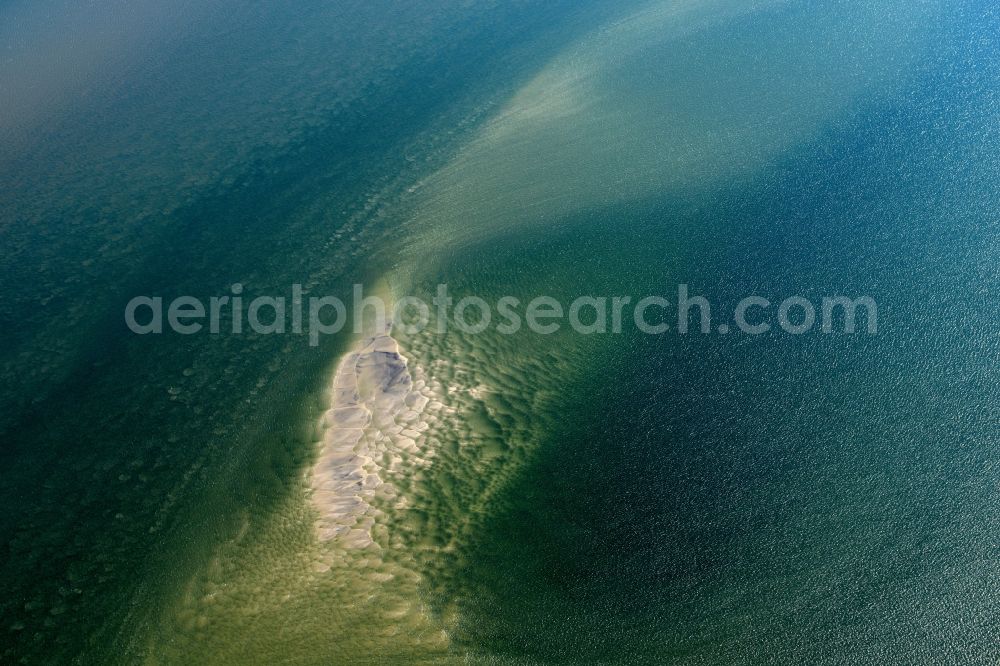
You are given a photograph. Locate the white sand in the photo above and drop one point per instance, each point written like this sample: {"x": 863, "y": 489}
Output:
{"x": 374, "y": 426}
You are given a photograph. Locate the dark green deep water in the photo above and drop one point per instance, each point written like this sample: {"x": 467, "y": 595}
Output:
{"x": 821, "y": 499}
{"x": 698, "y": 499}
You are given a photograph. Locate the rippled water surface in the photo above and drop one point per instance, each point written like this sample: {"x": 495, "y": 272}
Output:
{"x": 525, "y": 499}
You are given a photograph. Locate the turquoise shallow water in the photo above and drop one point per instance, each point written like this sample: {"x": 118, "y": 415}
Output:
{"x": 605, "y": 499}
{"x": 255, "y": 147}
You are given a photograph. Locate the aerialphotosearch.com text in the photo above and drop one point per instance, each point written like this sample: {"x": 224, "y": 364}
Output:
{"x": 318, "y": 316}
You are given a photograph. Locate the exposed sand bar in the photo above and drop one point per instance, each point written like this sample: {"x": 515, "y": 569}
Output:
{"x": 372, "y": 428}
